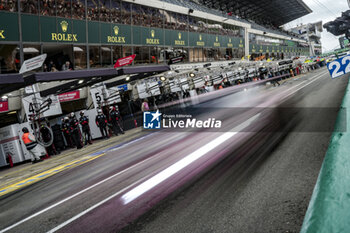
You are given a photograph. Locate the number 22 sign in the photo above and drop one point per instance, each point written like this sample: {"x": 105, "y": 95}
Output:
{"x": 339, "y": 67}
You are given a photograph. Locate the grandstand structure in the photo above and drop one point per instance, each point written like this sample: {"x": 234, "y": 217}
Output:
{"x": 312, "y": 33}
{"x": 95, "y": 33}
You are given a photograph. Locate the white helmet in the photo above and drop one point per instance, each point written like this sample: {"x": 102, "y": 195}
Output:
{"x": 99, "y": 111}
{"x": 72, "y": 114}
{"x": 66, "y": 118}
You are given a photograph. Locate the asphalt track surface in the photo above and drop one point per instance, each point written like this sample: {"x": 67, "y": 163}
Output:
{"x": 255, "y": 176}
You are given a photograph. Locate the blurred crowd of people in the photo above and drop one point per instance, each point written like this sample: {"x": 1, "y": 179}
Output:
{"x": 8, "y": 5}
{"x": 51, "y": 66}
{"x": 119, "y": 12}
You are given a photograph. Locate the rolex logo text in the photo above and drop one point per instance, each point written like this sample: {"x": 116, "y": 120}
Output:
{"x": 2, "y": 34}
{"x": 216, "y": 43}
{"x": 116, "y": 38}
{"x": 200, "y": 42}
{"x": 63, "y": 36}
{"x": 152, "y": 40}
{"x": 179, "y": 41}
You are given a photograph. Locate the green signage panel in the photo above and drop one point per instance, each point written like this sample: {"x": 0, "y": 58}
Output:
{"x": 230, "y": 42}
{"x": 168, "y": 37}
{"x": 30, "y": 28}
{"x": 178, "y": 38}
{"x": 261, "y": 49}
{"x": 145, "y": 33}
{"x": 137, "y": 35}
{"x": 197, "y": 39}
{"x": 48, "y": 28}
{"x": 209, "y": 40}
{"x": 290, "y": 43}
{"x": 241, "y": 42}
{"x": 118, "y": 34}
{"x": 79, "y": 29}
{"x": 105, "y": 31}
{"x": 9, "y": 27}
{"x": 64, "y": 32}
{"x": 61, "y": 30}
{"x": 152, "y": 36}
{"x": 216, "y": 41}
{"x": 253, "y": 48}
{"x": 93, "y": 32}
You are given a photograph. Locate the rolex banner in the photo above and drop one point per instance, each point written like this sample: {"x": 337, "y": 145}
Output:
{"x": 124, "y": 61}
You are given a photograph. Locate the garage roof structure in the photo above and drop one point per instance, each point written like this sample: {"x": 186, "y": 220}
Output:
{"x": 277, "y": 12}
{"x": 75, "y": 79}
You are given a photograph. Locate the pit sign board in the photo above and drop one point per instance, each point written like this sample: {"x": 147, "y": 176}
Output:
{"x": 99, "y": 94}
{"x": 29, "y": 108}
{"x": 4, "y": 105}
{"x": 339, "y": 66}
{"x": 33, "y": 63}
{"x": 69, "y": 96}
{"x": 124, "y": 61}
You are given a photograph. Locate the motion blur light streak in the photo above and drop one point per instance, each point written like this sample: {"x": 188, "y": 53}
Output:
{"x": 165, "y": 174}
{"x": 176, "y": 167}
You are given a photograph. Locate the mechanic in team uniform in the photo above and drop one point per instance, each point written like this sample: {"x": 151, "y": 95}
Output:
{"x": 65, "y": 127}
{"x": 84, "y": 121}
{"x": 115, "y": 120}
{"x": 101, "y": 122}
{"x": 75, "y": 131}
{"x": 31, "y": 145}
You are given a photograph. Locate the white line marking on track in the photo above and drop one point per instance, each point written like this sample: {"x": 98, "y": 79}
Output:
{"x": 72, "y": 196}
{"x": 305, "y": 85}
{"x": 91, "y": 208}
{"x": 136, "y": 192}
{"x": 165, "y": 174}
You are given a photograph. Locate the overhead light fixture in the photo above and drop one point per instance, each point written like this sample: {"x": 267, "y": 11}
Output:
{"x": 162, "y": 78}
{"x": 192, "y": 75}
{"x": 80, "y": 81}
{"x": 127, "y": 78}
{"x": 4, "y": 97}
{"x": 30, "y": 50}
